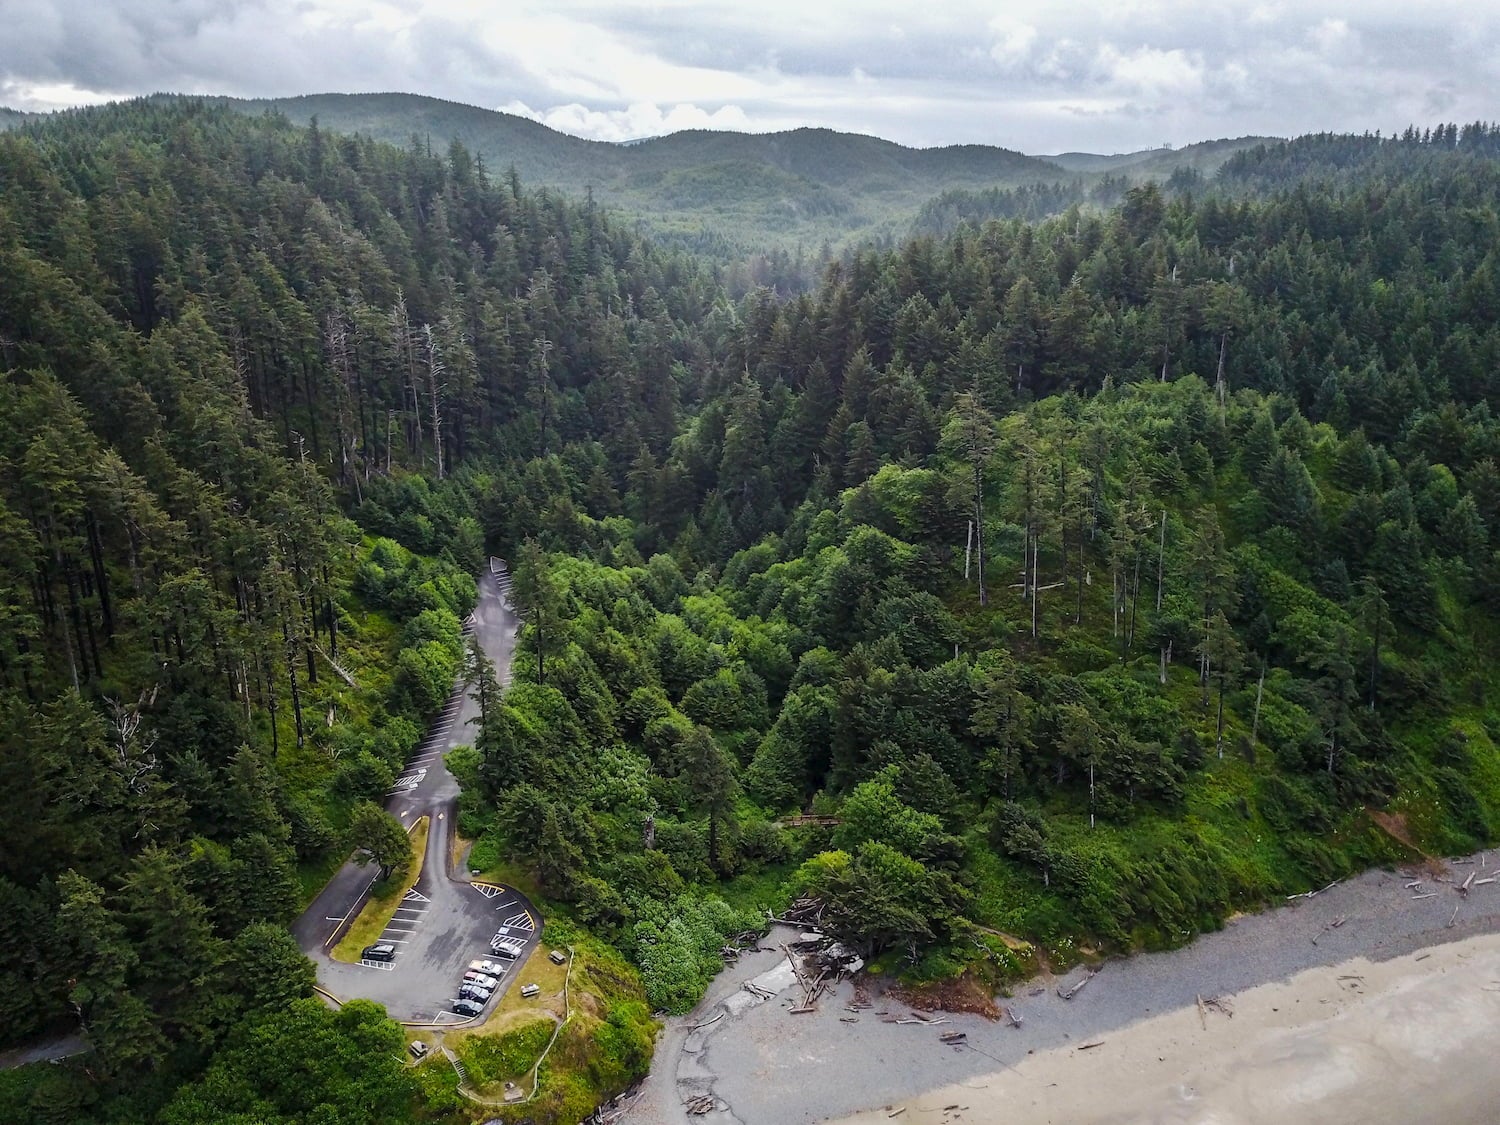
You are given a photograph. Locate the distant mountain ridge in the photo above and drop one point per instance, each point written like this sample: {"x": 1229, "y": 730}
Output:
{"x": 725, "y": 191}
{"x": 1204, "y": 156}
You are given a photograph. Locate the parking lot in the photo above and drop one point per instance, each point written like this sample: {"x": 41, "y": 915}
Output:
{"x": 444, "y": 922}
{"x": 441, "y": 926}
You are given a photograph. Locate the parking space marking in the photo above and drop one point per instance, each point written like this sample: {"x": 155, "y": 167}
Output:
{"x": 415, "y": 896}
{"x": 489, "y": 890}
{"x": 522, "y": 921}
{"x": 384, "y": 966}
{"x": 408, "y": 781}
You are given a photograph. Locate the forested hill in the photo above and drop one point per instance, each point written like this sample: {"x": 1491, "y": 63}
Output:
{"x": 1100, "y": 576}
{"x": 1246, "y": 168}
{"x": 218, "y": 334}
{"x": 726, "y": 193}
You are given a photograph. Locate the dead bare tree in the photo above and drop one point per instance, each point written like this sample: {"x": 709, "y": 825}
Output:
{"x": 135, "y": 755}
{"x": 436, "y": 384}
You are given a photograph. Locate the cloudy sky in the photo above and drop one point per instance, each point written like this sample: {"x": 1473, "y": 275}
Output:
{"x": 1029, "y": 74}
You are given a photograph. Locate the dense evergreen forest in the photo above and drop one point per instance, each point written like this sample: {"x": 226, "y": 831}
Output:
{"x": 1099, "y": 574}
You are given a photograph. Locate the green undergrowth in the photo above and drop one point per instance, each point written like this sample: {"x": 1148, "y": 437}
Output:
{"x": 493, "y": 1060}
{"x": 399, "y": 639}
{"x": 604, "y": 1045}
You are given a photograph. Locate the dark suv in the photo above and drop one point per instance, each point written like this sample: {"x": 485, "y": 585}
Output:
{"x": 467, "y": 1007}
{"x": 378, "y": 953}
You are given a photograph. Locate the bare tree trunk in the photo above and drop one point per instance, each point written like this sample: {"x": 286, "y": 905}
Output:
{"x": 1260, "y": 691}
{"x": 291, "y": 673}
{"x": 984, "y": 595}
{"x": 1036, "y": 591}
{"x": 1219, "y": 386}
{"x": 1091, "y": 790}
{"x": 1078, "y": 610}
{"x": 435, "y": 373}
{"x": 1219, "y": 733}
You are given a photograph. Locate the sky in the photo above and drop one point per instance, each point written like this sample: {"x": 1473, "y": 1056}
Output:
{"x": 1032, "y": 75}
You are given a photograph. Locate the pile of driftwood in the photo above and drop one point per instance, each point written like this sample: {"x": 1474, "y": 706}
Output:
{"x": 747, "y": 941}
{"x": 1224, "y": 1005}
{"x": 820, "y": 964}
{"x": 812, "y": 986}
{"x": 703, "y": 1103}
{"x": 806, "y": 912}
{"x": 613, "y": 1110}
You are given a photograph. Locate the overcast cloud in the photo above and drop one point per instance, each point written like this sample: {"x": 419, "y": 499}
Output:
{"x": 1031, "y": 75}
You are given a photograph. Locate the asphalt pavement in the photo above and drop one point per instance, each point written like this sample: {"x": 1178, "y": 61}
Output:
{"x": 445, "y": 920}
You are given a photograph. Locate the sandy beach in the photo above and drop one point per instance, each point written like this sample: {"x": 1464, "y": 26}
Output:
{"x": 1403, "y": 1040}
{"x": 1368, "y": 993}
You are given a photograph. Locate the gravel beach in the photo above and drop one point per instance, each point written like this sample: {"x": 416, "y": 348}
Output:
{"x": 765, "y": 1066}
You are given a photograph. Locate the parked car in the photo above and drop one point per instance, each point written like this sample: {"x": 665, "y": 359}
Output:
{"x": 510, "y": 949}
{"x": 475, "y": 992}
{"x": 467, "y": 1007}
{"x": 488, "y": 968}
{"x": 483, "y": 980}
{"x": 378, "y": 953}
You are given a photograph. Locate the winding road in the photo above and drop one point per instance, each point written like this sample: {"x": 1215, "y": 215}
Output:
{"x": 445, "y": 920}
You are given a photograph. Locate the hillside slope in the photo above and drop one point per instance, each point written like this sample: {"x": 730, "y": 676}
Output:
{"x": 757, "y": 189}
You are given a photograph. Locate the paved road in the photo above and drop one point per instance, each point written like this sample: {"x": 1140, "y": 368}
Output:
{"x": 445, "y": 920}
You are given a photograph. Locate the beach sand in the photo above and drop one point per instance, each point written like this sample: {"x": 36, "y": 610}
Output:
{"x": 1407, "y": 1040}
{"x": 1417, "y": 962}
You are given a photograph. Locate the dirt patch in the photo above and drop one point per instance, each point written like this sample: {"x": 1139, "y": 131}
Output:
{"x": 961, "y": 994}
{"x": 1394, "y": 825}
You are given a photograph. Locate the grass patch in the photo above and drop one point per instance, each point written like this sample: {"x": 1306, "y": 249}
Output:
{"x": 538, "y": 970}
{"x": 492, "y": 1060}
{"x": 486, "y": 857}
{"x": 384, "y": 898}
{"x": 604, "y": 1046}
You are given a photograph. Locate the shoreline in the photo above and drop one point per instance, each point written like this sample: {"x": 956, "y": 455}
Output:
{"x": 764, "y": 1066}
{"x": 1393, "y": 1040}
